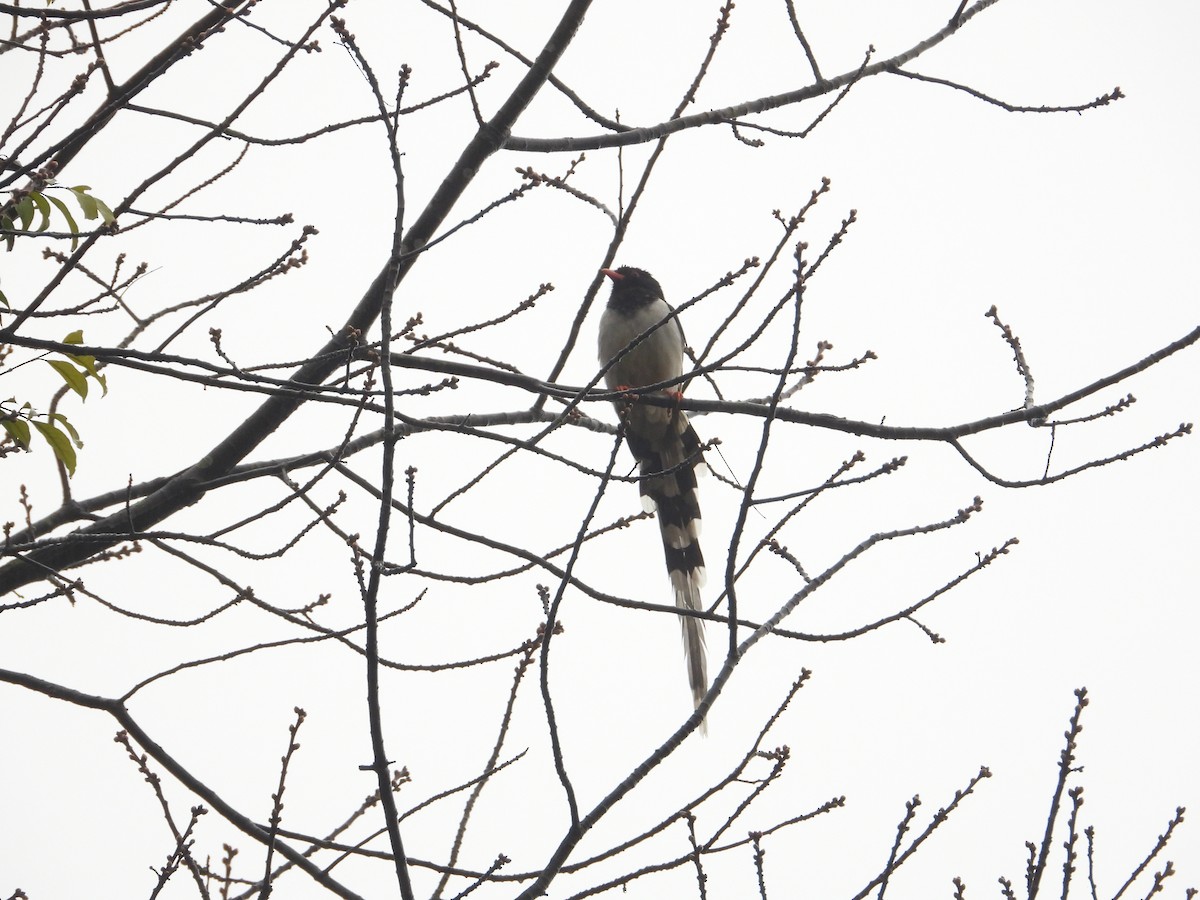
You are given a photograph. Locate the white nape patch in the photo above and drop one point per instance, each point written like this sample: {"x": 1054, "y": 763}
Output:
{"x": 648, "y": 503}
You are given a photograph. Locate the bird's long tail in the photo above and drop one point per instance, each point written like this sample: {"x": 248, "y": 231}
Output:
{"x": 668, "y": 484}
{"x": 687, "y": 596}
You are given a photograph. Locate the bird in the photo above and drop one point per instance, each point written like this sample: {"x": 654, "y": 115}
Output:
{"x": 661, "y": 439}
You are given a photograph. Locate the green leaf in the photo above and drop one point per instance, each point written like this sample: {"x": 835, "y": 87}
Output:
{"x": 85, "y": 362}
{"x": 59, "y": 443}
{"x": 106, "y": 214}
{"x": 59, "y": 417}
{"x": 93, "y": 207}
{"x": 39, "y": 200}
{"x": 62, "y": 208}
{"x": 76, "y": 380}
{"x": 88, "y": 364}
{"x": 4, "y": 300}
{"x": 19, "y": 429}
{"x": 86, "y": 202}
{"x": 25, "y": 209}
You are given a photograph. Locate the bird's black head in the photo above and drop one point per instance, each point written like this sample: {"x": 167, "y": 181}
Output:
{"x": 632, "y": 288}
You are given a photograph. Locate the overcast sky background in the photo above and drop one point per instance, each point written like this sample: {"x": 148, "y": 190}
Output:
{"x": 1079, "y": 228}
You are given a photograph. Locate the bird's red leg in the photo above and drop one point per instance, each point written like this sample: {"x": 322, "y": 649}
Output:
{"x": 675, "y": 396}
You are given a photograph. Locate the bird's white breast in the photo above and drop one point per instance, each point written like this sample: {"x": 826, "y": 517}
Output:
{"x": 658, "y": 358}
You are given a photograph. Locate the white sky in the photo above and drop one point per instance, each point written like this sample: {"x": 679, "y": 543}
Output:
{"x": 1079, "y": 228}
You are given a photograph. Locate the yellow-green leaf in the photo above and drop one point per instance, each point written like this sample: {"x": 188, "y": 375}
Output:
{"x": 88, "y": 364}
{"x": 59, "y": 417}
{"x": 85, "y": 362}
{"x": 19, "y": 430}
{"x": 59, "y": 443}
{"x": 71, "y": 224}
{"x": 106, "y": 214}
{"x": 93, "y": 207}
{"x": 25, "y": 210}
{"x": 39, "y": 200}
{"x": 76, "y": 380}
{"x": 86, "y": 202}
